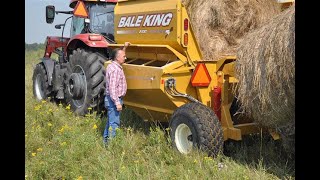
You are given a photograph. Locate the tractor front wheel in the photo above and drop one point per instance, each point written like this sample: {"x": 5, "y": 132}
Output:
{"x": 194, "y": 125}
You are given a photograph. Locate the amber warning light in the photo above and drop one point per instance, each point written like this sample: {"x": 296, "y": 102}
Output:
{"x": 200, "y": 76}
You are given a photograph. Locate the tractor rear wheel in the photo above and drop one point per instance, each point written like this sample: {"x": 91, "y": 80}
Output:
{"x": 86, "y": 81}
{"x": 194, "y": 125}
{"x": 41, "y": 88}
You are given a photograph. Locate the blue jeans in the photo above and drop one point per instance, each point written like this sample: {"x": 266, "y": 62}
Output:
{"x": 113, "y": 118}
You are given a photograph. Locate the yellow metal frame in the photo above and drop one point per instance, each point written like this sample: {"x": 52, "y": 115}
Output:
{"x": 226, "y": 78}
{"x": 152, "y": 47}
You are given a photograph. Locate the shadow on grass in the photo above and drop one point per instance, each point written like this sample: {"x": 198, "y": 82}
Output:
{"x": 129, "y": 118}
{"x": 262, "y": 151}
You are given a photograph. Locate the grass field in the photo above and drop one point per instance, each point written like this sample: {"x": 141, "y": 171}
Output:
{"x": 60, "y": 145}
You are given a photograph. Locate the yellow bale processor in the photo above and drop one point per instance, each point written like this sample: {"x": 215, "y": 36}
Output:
{"x": 168, "y": 81}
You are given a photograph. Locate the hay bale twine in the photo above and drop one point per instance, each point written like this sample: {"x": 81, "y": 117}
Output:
{"x": 219, "y": 25}
{"x": 265, "y": 68}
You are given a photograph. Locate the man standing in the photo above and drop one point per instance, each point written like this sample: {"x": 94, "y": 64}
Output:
{"x": 116, "y": 88}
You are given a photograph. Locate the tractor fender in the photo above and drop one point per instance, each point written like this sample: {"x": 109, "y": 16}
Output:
{"x": 81, "y": 40}
{"x": 49, "y": 65}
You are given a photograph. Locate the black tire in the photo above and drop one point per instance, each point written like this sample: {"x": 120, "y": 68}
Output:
{"x": 194, "y": 125}
{"x": 41, "y": 88}
{"x": 89, "y": 92}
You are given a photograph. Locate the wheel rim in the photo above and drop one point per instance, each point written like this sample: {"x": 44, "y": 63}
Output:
{"x": 183, "y": 139}
{"x": 38, "y": 88}
{"x": 76, "y": 86}
{"x": 80, "y": 101}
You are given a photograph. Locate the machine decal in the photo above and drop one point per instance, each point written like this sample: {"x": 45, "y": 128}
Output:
{"x": 144, "y": 31}
{"x": 141, "y": 78}
{"x": 148, "y": 20}
{"x": 80, "y": 10}
{"x": 127, "y": 32}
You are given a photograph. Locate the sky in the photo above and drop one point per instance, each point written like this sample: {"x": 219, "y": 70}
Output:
{"x": 36, "y": 28}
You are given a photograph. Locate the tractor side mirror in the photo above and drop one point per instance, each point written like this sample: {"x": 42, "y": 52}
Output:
{"x": 58, "y": 26}
{"x": 50, "y": 12}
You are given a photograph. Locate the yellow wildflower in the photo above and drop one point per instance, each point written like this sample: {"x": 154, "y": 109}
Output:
{"x": 89, "y": 108}
{"x": 68, "y": 107}
{"x": 63, "y": 143}
{"x": 39, "y": 149}
{"x": 33, "y": 154}
{"x": 43, "y": 101}
{"x": 38, "y": 107}
{"x": 110, "y": 128}
{"x": 61, "y": 130}
{"x": 79, "y": 178}
{"x": 49, "y": 124}
{"x": 195, "y": 161}
{"x": 129, "y": 129}
{"x": 50, "y": 110}
{"x": 95, "y": 126}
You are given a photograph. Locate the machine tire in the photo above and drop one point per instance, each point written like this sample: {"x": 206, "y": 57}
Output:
{"x": 202, "y": 124}
{"x": 41, "y": 88}
{"x": 90, "y": 66}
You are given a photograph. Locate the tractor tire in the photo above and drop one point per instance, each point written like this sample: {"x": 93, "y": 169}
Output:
{"x": 85, "y": 85}
{"x": 194, "y": 125}
{"x": 41, "y": 88}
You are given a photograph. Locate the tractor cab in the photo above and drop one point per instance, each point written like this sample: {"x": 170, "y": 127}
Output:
{"x": 94, "y": 17}
{"x": 89, "y": 16}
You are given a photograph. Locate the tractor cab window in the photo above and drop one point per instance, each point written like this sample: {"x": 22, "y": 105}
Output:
{"x": 77, "y": 25}
{"x": 101, "y": 19}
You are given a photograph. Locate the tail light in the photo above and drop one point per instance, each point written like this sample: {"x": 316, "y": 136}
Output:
{"x": 186, "y": 24}
{"x": 185, "y": 39}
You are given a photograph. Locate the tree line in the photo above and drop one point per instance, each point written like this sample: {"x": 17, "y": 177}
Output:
{"x": 34, "y": 46}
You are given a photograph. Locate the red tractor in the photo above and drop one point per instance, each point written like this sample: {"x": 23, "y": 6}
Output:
{"x": 77, "y": 76}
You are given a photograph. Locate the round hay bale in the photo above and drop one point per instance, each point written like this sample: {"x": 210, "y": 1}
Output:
{"x": 219, "y": 25}
{"x": 265, "y": 68}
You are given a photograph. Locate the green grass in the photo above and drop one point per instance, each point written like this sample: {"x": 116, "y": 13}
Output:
{"x": 60, "y": 145}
